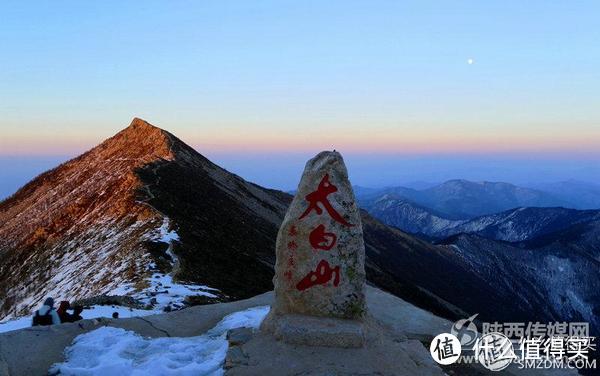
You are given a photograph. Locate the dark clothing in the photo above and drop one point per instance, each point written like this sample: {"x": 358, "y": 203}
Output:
{"x": 42, "y": 319}
{"x": 64, "y": 317}
{"x": 45, "y": 316}
{"x": 67, "y": 317}
{"x": 62, "y": 312}
{"x": 75, "y": 317}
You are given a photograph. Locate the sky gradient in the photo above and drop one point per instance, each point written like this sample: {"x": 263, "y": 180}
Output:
{"x": 266, "y": 78}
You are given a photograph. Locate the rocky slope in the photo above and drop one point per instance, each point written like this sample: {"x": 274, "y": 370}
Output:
{"x": 552, "y": 283}
{"x": 582, "y": 237}
{"x": 522, "y": 223}
{"x": 97, "y": 223}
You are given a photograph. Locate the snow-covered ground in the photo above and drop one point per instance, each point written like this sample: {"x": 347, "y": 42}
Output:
{"x": 16, "y": 324}
{"x": 162, "y": 291}
{"x": 91, "y": 313}
{"x": 115, "y": 351}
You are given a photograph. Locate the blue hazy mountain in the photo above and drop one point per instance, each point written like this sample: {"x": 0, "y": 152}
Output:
{"x": 394, "y": 210}
{"x": 581, "y": 195}
{"x": 463, "y": 199}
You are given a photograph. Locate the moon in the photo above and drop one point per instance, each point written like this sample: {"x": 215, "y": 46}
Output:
{"x": 470, "y": 61}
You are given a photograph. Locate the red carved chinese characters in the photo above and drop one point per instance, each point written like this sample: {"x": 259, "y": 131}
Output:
{"x": 320, "y": 276}
{"x": 319, "y": 239}
{"x": 320, "y": 196}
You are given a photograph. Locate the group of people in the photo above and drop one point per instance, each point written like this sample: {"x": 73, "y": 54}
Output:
{"x": 47, "y": 315}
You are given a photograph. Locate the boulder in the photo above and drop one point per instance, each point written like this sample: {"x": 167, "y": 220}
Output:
{"x": 320, "y": 268}
{"x": 320, "y": 251}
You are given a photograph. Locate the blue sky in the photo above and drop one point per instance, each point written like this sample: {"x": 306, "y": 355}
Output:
{"x": 384, "y": 79}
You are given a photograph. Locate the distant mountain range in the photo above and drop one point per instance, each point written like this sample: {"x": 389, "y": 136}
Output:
{"x": 437, "y": 210}
{"x": 545, "y": 253}
{"x": 408, "y": 216}
{"x": 535, "y": 225}
{"x": 523, "y": 224}
{"x": 463, "y": 199}
{"x": 143, "y": 203}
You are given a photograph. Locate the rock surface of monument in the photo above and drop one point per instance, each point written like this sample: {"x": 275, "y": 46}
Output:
{"x": 319, "y": 271}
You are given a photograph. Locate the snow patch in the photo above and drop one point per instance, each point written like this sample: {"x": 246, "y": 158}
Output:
{"x": 21, "y": 323}
{"x": 168, "y": 237}
{"x": 163, "y": 292}
{"x": 115, "y": 351}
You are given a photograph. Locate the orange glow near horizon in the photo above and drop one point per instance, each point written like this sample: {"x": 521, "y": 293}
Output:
{"x": 355, "y": 141}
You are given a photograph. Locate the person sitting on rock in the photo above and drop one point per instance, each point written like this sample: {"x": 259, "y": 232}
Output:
{"x": 46, "y": 315}
{"x": 62, "y": 312}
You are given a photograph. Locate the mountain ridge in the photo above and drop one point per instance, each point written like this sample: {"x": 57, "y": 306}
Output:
{"x": 124, "y": 218}
{"x": 416, "y": 219}
{"x": 93, "y": 224}
{"x": 461, "y": 199}
{"x": 523, "y": 224}
{"x": 92, "y": 215}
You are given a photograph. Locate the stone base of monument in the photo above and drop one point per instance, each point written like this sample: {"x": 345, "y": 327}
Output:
{"x": 315, "y": 331}
{"x": 311, "y": 346}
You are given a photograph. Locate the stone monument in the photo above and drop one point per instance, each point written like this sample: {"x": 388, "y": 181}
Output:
{"x": 319, "y": 274}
